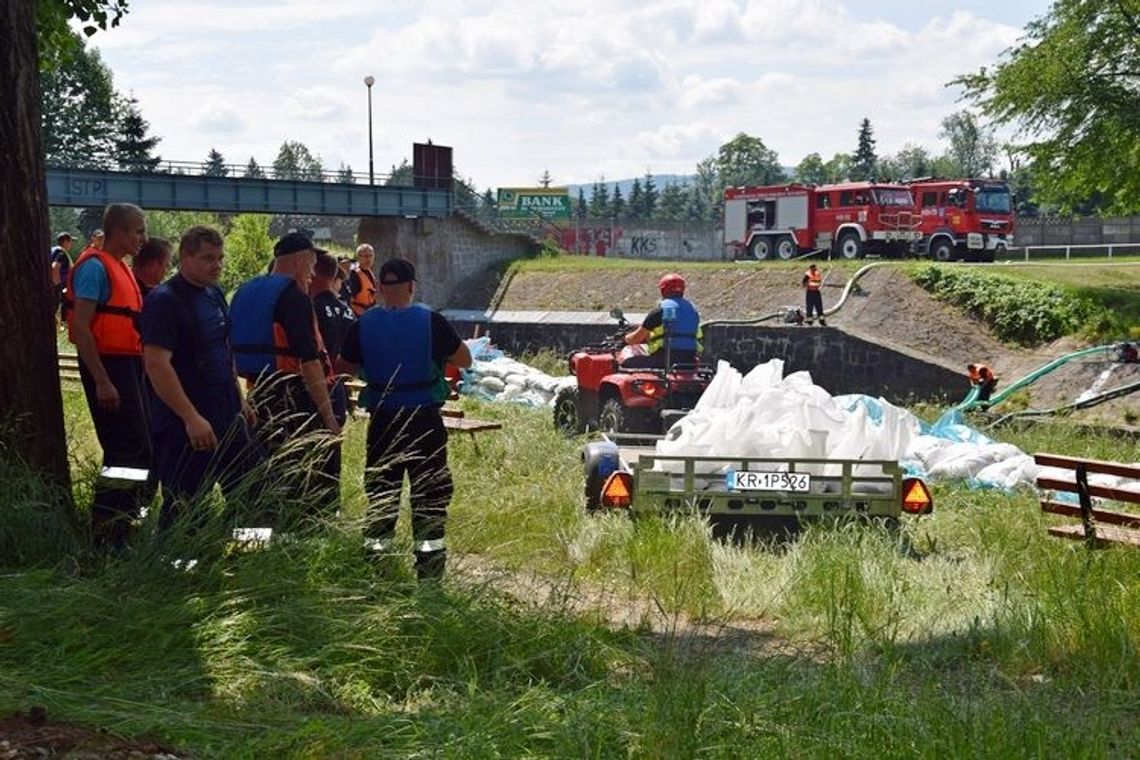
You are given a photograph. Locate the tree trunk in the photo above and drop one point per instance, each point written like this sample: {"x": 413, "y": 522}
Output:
{"x": 30, "y": 397}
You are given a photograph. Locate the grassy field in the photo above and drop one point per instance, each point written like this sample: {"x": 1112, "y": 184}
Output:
{"x": 972, "y": 634}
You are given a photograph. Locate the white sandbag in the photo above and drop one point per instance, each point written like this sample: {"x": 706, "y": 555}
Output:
{"x": 492, "y": 384}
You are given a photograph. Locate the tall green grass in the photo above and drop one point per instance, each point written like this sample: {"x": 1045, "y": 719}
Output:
{"x": 970, "y": 633}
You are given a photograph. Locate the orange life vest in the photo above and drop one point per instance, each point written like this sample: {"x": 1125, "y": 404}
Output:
{"x": 366, "y": 298}
{"x": 813, "y": 280}
{"x": 288, "y": 362}
{"x": 115, "y": 324}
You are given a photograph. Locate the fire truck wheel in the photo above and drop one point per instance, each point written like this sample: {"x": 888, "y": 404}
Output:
{"x": 850, "y": 246}
{"x": 567, "y": 416}
{"x": 786, "y": 248}
{"x": 761, "y": 249}
{"x": 942, "y": 250}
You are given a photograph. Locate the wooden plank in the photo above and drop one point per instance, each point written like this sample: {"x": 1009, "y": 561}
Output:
{"x": 1101, "y": 515}
{"x": 1106, "y": 534}
{"x": 470, "y": 426}
{"x": 1092, "y": 465}
{"x": 1105, "y": 492}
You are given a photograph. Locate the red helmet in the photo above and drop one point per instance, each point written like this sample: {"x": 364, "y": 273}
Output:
{"x": 672, "y": 284}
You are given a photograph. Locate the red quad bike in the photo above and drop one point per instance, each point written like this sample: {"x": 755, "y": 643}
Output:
{"x": 613, "y": 399}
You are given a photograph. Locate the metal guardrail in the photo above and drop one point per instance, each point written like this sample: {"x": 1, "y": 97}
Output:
{"x": 1084, "y": 250}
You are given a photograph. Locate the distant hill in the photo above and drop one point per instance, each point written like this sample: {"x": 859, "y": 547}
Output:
{"x": 660, "y": 180}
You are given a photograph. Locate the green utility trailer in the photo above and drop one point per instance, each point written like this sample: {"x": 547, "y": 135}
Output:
{"x": 746, "y": 493}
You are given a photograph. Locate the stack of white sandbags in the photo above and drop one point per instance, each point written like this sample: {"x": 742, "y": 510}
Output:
{"x": 764, "y": 414}
{"x": 495, "y": 376}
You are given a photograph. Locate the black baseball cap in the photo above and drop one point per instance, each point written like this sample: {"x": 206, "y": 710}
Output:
{"x": 292, "y": 243}
{"x": 396, "y": 271}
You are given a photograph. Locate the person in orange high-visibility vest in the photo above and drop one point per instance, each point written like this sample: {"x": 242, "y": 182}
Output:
{"x": 103, "y": 305}
{"x": 361, "y": 281}
{"x": 983, "y": 377}
{"x": 812, "y": 282}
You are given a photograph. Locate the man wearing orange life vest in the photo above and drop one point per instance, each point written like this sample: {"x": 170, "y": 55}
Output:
{"x": 104, "y": 304}
{"x": 361, "y": 281}
{"x": 983, "y": 377}
{"x": 812, "y": 282}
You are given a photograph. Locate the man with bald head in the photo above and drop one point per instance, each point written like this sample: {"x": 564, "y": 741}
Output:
{"x": 103, "y": 305}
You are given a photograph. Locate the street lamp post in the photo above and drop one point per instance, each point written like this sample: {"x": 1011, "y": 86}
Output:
{"x": 369, "y": 81}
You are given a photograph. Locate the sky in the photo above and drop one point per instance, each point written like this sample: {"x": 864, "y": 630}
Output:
{"x": 583, "y": 89}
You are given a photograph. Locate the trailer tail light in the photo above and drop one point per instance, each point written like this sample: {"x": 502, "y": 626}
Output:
{"x": 916, "y": 497}
{"x": 618, "y": 490}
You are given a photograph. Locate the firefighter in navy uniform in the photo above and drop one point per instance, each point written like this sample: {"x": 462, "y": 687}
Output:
{"x": 279, "y": 352}
{"x": 812, "y": 282}
{"x": 200, "y": 428}
{"x": 102, "y": 304}
{"x": 400, "y": 349}
{"x": 682, "y": 334}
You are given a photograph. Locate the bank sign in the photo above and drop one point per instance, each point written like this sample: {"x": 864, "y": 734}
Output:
{"x": 529, "y": 202}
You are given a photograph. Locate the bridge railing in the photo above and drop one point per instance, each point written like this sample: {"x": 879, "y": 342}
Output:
{"x": 243, "y": 171}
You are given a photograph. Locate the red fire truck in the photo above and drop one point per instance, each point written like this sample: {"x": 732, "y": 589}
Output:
{"x": 850, "y": 220}
{"x": 963, "y": 218}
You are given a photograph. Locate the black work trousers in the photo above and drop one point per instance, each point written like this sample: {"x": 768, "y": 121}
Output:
{"x": 413, "y": 442}
{"x": 304, "y": 468}
{"x": 121, "y": 490}
{"x": 188, "y": 475}
{"x": 814, "y": 304}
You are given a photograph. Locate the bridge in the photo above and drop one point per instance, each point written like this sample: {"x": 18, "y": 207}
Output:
{"x": 178, "y": 188}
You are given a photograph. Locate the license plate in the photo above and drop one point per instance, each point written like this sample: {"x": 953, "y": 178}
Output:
{"x": 975, "y": 241}
{"x": 751, "y": 480}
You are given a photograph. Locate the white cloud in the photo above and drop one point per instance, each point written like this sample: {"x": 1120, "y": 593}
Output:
{"x": 585, "y": 88}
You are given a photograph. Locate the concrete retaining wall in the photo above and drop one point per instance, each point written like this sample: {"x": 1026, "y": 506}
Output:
{"x": 445, "y": 251}
{"x": 838, "y": 361}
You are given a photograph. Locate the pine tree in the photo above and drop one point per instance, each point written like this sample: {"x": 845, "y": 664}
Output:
{"x": 863, "y": 164}
{"x": 600, "y": 200}
{"x": 544, "y": 180}
{"x": 400, "y": 176}
{"x": 671, "y": 207}
{"x": 253, "y": 170}
{"x": 488, "y": 206}
{"x": 582, "y": 208}
{"x": 617, "y": 203}
{"x": 133, "y": 148}
{"x": 649, "y": 197}
{"x": 215, "y": 165}
{"x": 344, "y": 175}
{"x": 634, "y": 205}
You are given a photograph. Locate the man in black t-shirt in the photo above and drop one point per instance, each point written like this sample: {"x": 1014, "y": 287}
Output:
{"x": 402, "y": 349}
{"x": 199, "y": 423}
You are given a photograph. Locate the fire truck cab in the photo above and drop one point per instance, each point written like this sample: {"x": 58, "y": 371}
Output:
{"x": 968, "y": 219}
{"x": 849, "y": 220}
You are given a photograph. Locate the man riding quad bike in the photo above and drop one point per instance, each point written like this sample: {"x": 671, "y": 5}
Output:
{"x": 641, "y": 381}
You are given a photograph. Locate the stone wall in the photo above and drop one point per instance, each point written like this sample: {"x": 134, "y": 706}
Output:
{"x": 445, "y": 251}
{"x": 838, "y": 361}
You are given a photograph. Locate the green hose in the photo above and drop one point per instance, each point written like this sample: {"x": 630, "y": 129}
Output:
{"x": 971, "y": 401}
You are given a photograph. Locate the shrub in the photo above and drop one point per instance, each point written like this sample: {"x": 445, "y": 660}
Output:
{"x": 1019, "y": 311}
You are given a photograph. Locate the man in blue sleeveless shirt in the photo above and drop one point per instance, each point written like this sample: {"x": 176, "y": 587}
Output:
{"x": 200, "y": 424}
{"x": 400, "y": 349}
{"x": 675, "y": 324}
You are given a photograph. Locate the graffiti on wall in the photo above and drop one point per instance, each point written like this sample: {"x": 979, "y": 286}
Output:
{"x": 591, "y": 241}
